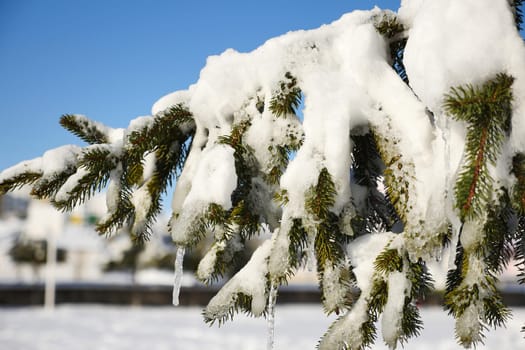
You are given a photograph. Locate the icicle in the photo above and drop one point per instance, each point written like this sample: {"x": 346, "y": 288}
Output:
{"x": 310, "y": 254}
{"x": 272, "y": 298}
{"x": 446, "y": 135}
{"x": 179, "y": 258}
{"x": 456, "y": 231}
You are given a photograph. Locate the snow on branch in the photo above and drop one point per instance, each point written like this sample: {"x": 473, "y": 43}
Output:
{"x": 363, "y": 148}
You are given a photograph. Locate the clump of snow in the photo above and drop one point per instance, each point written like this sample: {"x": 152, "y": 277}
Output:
{"x": 116, "y": 137}
{"x": 67, "y": 188}
{"x": 333, "y": 292}
{"x": 468, "y": 327}
{"x": 398, "y": 286}
{"x": 139, "y": 123}
{"x": 142, "y": 201}
{"x": 227, "y": 249}
{"x": 363, "y": 252}
{"x": 113, "y": 191}
{"x": 50, "y": 164}
{"x": 346, "y": 331}
{"x": 215, "y": 178}
{"x": 278, "y": 261}
{"x": 408, "y": 10}
{"x": 150, "y": 160}
{"x": 458, "y": 42}
{"x": 472, "y": 234}
{"x": 207, "y": 263}
{"x": 59, "y": 158}
{"x": 170, "y": 100}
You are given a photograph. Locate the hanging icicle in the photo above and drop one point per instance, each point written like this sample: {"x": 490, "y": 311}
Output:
{"x": 179, "y": 259}
{"x": 272, "y": 298}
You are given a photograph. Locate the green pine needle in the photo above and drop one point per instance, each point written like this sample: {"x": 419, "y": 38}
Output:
{"x": 288, "y": 99}
{"x": 518, "y": 170}
{"x": 86, "y": 129}
{"x": 19, "y": 180}
{"x": 321, "y": 197}
{"x": 487, "y": 111}
{"x": 499, "y": 232}
{"x": 48, "y": 187}
{"x": 388, "y": 261}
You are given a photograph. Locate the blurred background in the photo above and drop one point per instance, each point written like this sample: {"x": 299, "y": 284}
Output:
{"x": 110, "y": 294}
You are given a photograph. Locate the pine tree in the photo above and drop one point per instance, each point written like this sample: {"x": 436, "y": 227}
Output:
{"x": 383, "y": 169}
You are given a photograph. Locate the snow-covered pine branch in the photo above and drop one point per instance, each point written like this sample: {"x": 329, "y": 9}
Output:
{"x": 412, "y": 138}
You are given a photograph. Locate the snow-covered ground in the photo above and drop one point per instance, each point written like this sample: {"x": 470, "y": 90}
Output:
{"x": 298, "y": 327}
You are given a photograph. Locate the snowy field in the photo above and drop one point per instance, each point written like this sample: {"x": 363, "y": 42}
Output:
{"x": 298, "y": 327}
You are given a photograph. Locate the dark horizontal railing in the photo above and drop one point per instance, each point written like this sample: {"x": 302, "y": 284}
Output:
{"x": 137, "y": 294}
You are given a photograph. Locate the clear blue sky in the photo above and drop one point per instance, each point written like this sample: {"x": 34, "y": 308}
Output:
{"x": 112, "y": 59}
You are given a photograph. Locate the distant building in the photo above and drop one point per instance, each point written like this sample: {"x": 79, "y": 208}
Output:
{"x": 13, "y": 205}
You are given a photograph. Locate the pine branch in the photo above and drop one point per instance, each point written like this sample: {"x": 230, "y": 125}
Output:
{"x": 389, "y": 26}
{"x": 166, "y": 136}
{"x": 328, "y": 243}
{"x": 280, "y": 158}
{"x": 298, "y": 242}
{"x": 487, "y": 111}
{"x": 244, "y": 291}
{"x": 411, "y": 323}
{"x": 475, "y": 104}
{"x": 86, "y": 129}
{"x": 421, "y": 280}
{"x": 397, "y": 175}
{"x": 19, "y": 180}
{"x": 245, "y": 217}
{"x": 318, "y": 201}
{"x": 167, "y": 160}
{"x": 280, "y": 153}
{"x": 496, "y": 312}
{"x": 393, "y": 32}
{"x": 499, "y": 233}
{"x": 376, "y": 303}
{"x": 518, "y": 170}
{"x": 201, "y": 224}
{"x": 119, "y": 218}
{"x": 244, "y": 214}
{"x": 47, "y": 187}
{"x": 241, "y": 303}
{"x": 476, "y": 303}
{"x": 91, "y": 176}
{"x": 321, "y": 197}
{"x": 376, "y": 211}
{"x": 235, "y": 139}
{"x": 474, "y": 177}
{"x": 519, "y": 254}
{"x": 246, "y": 166}
{"x": 367, "y": 166}
{"x": 388, "y": 261}
{"x": 288, "y": 99}
{"x": 329, "y": 240}
{"x": 174, "y": 124}
{"x": 225, "y": 256}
